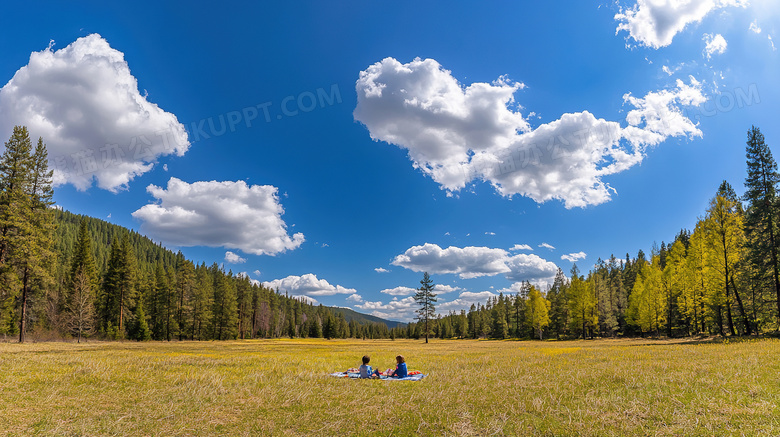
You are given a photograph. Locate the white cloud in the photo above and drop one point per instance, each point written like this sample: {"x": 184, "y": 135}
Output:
{"x": 521, "y": 247}
{"x": 256, "y": 272}
{"x": 772, "y": 43}
{"x": 355, "y": 298}
{"x": 468, "y": 262}
{"x": 531, "y": 268}
{"x": 547, "y": 246}
{"x": 307, "y": 285}
{"x": 490, "y": 233}
{"x": 715, "y": 44}
{"x": 218, "y": 214}
{"x": 472, "y": 262}
{"x": 165, "y": 167}
{"x": 465, "y": 300}
{"x": 85, "y": 103}
{"x": 654, "y": 23}
{"x": 408, "y": 291}
{"x": 754, "y": 27}
{"x": 574, "y": 257}
{"x": 457, "y": 135}
{"x": 381, "y": 270}
{"x": 667, "y": 70}
{"x": 399, "y": 291}
{"x": 233, "y": 258}
{"x": 396, "y": 309}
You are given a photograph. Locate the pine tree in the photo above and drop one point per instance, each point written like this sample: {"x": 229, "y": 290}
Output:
{"x": 26, "y": 222}
{"x": 141, "y": 331}
{"x": 761, "y": 219}
{"x": 425, "y": 298}
{"x": 119, "y": 284}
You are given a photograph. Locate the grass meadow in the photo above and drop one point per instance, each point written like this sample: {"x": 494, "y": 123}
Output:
{"x": 282, "y": 387}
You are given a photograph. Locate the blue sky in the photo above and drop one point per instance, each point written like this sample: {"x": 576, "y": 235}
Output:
{"x": 493, "y": 84}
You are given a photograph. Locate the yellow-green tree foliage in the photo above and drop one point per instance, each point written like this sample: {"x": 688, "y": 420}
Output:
{"x": 647, "y": 304}
{"x": 539, "y": 311}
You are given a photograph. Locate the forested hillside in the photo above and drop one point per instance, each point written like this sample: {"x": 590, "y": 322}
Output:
{"x": 70, "y": 275}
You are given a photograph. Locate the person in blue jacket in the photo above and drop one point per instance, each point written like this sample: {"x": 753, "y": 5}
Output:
{"x": 400, "y": 369}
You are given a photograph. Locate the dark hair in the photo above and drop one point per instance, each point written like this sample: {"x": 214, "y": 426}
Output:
{"x": 400, "y": 359}
{"x": 366, "y": 359}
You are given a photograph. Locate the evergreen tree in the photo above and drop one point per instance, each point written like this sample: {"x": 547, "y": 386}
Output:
{"x": 582, "y": 304}
{"x": 425, "y": 298}
{"x": 119, "y": 284}
{"x": 761, "y": 219}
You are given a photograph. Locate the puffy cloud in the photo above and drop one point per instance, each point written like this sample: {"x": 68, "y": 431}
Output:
{"x": 233, "y": 258}
{"x": 472, "y": 262}
{"x": 355, "y": 298}
{"x": 754, "y": 27}
{"x": 547, "y": 246}
{"x": 715, "y": 44}
{"x": 490, "y": 233}
{"x": 465, "y": 300}
{"x": 399, "y": 291}
{"x": 654, "y": 23}
{"x": 468, "y": 262}
{"x": 256, "y": 272}
{"x": 574, "y": 257}
{"x": 396, "y": 309}
{"x": 457, "y": 134}
{"x": 407, "y": 291}
{"x": 520, "y": 247}
{"x": 381, "y": 270}
{"x": 307, "y": 285}
{"x": 218, "y": 214}
{"x": 531, "y": 268}
{"x": 85, "y": 104}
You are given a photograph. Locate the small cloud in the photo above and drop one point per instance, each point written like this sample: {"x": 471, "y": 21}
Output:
{"x": 256, "y": 272}
{"x": 446, "y": 233}
{"x": 355, "y": 298}
{"x": 381, "y": 270}
{"x": 165, "y": 167}
{"x": 772, "y": 43}
{"x": 520, "y": 247}
{"x": 547, "y": 246}
{"x": 325, "y": 244}
{"x": 716, "y": 44}
{"x": 490, "y": 233}
{"x": 754, "y": 27}
{"x": 109, "y": 215}
{"x": 233, "y": 258}
{"x": 574, "y": 257}
{"x": 667, "y": 70}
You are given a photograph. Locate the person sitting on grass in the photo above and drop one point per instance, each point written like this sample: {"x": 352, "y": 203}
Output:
{"x": 365, "y": 369}
{"x": 400, "y": 369}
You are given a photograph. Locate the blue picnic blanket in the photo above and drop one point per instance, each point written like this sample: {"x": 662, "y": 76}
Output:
{"x": 356, "y": 375}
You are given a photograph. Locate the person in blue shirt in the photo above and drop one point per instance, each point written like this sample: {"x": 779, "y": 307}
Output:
{"x": 365, "y": 369}
{"x": 400, "y": 369}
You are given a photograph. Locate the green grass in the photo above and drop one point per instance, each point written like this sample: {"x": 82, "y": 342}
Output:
{"x": 281, "y": 387}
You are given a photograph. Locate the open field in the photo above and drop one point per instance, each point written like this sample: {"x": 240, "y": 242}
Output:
{"x": 274, "y": 387}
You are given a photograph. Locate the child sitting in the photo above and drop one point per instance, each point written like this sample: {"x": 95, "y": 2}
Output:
{"x": 400, "y": 369}
{"x": 365, "y": 369}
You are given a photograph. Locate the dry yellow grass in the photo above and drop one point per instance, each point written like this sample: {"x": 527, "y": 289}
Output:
{"x": 281, "y": 387}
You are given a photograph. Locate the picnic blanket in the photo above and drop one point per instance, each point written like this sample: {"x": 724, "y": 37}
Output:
{"x": 414, "y": 375}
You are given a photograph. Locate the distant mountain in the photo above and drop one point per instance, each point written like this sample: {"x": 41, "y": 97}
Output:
{"x": 350, "y": 315}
